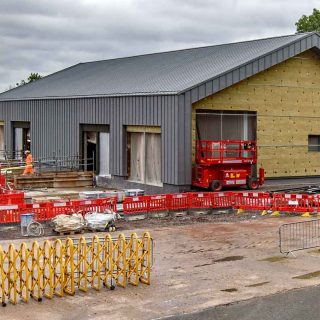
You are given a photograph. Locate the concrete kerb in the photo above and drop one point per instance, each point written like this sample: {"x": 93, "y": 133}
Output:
{"x": 136, "y": 217}
{"x": 158, "y": 214}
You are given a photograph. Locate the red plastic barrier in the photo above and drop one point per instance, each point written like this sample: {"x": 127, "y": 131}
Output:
{"x": 97, "y": 205}
{"x": 295, "y": 202}
{"x": 178, "y": 201}
{"x": 2, "y": 180}
{"x": 252, "y": 200}
{"x": 158, "y": 202}
{"x": 9, "y": 213}
{"x": 221, "y": 199}
{"x": 11, "y": 197}
{"x": 42, "y": 210}
{"x": 136, "y": 204}
{"x": 47, "y": 210}
{"x": 200, "y": 200}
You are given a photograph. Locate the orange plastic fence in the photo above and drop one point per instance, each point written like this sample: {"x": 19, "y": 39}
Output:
{"x": 237, "y": 200}
{"x": 178, "y": 201}
{"x": 48, "y": 210}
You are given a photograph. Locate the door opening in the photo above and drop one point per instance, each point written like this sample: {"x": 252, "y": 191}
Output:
{"x": 21, "y": 138}
{"x": 94, "y": 147}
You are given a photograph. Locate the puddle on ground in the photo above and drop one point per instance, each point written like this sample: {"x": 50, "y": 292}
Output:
{"x": 308, "y": 275}
{"x": 276, "y": 259}
{"x": 231, "y": 258}
{"x": 259, "y": 284}
{"x": 229, "y": 290}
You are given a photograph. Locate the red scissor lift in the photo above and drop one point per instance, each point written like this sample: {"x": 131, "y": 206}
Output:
{"x": 226, "y": 163}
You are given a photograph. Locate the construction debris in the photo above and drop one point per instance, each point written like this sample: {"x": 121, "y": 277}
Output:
{"x": 101, "y": 221}
{"x": 68, "y": 223}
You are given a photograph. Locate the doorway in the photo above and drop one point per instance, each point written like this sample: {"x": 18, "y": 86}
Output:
{"x": 21, "y": 138}
{"x": 94, "y": 148}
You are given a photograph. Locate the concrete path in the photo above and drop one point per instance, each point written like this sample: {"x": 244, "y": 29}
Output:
{"x": 291, "y": 305}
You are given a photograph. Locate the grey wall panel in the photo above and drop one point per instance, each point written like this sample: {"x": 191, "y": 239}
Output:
{"x": 229, "y": 79}
{"x": 55, "y": 126}
{"x": 236, "y": 75}
{"x": 280, "y": 55}
{"x": 261, "y": 64}
{"x": 202, "y": 91}
{"x": 255, "y": 67}
{"x": 249, "y": 70}
{"x": 274, "y": 59}
{"x": 215, "y": 85}
{"x": 223, "y": 82}
{"x": 208, "y": 88}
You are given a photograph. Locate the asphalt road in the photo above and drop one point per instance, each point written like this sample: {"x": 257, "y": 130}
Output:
{"x": 302, "y": 304}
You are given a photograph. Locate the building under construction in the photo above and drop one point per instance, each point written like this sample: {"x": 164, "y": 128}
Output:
{"x": 140, "y": 117}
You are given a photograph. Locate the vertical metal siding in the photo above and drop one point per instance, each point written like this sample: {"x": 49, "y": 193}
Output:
{"x": 55, "y": 126}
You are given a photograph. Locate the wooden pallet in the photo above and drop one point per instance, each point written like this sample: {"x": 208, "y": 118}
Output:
{"x": 69, "y": 233}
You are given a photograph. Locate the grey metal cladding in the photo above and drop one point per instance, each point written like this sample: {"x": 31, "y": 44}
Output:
{"x": 55, "y": 126}
{"x": 160, "y": 73}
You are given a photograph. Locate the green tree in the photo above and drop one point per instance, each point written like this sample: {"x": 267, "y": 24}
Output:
{"x": 32, "y": 77}
{"x": 309, "y": 23}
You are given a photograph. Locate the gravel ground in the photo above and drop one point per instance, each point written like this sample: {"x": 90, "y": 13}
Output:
{"x": 8, "y": 232}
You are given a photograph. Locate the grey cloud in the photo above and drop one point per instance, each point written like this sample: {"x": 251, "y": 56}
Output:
{"x": 46, "y": 36}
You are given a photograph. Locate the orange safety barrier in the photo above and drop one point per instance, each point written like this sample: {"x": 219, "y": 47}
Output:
{"x": 200, "y": 200}
{"x": 178, "y": 201}
{"x": 252, "y": 200}
{"x": 41, "y": 210}
{"x": 2, "y": 180}
{"x": 295, "y": 202}
{"x": 221, "y": 199}
{"x": 9, "y": 214}
{"x": 11, "y": 197}
{"x": 158, "y": 202}
{"x": 136, "y": 204}
{"x": 48, "y": 210}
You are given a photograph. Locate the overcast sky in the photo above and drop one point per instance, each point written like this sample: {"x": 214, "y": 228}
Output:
{"x": 46, "y": 36}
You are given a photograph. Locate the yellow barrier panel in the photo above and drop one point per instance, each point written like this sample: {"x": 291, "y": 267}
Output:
{"x": 49, "y": 269}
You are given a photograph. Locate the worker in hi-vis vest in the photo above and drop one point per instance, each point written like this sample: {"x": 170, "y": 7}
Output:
{"x": 29, "y": 166}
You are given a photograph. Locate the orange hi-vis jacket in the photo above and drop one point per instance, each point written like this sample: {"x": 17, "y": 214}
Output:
{"x": 28, "y": 169}
{"x": 29, "y": 159}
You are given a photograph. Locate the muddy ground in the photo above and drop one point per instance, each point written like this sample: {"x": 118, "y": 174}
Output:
{"x": 201, "y": 261}
{"x": 10, "y": 232}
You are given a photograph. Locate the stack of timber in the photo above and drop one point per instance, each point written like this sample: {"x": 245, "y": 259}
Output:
{"x": 70, "y": 179}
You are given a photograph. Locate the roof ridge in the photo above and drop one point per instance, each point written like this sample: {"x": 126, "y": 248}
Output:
{"x": 44, "y": 77}
{"x": 202, "y": 47}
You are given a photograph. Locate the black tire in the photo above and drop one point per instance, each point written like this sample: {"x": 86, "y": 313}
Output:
{"x": 252, "y": 184}
{"x": 216, "y": 185}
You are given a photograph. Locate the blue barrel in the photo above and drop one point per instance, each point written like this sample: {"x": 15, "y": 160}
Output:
{"x": 26, "y": 218}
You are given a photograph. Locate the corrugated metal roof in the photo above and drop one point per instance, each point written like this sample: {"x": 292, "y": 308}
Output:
{"x": 159, "y": 73}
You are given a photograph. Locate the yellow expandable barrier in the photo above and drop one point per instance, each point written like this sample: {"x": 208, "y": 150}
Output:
{"x": 58, "y": 268}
